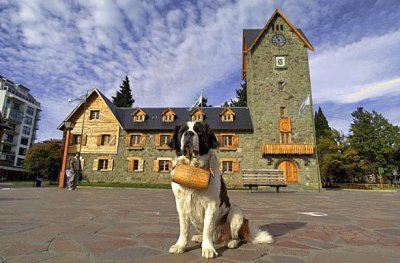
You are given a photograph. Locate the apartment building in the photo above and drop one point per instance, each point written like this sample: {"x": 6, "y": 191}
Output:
{"x": 21, "y": 112}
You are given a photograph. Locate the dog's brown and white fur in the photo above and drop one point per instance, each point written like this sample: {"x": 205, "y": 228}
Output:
{"x": 215, "y": 218}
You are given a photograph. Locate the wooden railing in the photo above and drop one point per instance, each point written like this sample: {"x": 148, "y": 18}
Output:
{"x": 287, "y": 149}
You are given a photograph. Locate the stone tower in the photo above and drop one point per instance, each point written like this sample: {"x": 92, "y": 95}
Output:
{"x": 276, "y": 70}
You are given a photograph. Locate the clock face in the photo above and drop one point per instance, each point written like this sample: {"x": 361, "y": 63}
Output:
{"x": 278, "y": 40}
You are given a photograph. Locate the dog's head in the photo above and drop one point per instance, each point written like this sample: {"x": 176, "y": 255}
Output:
{"x": 193, "y": 138}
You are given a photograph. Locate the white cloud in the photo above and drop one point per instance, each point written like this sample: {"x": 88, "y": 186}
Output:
{"x": 355, "y": 72}
{"x": 60, "y": 49}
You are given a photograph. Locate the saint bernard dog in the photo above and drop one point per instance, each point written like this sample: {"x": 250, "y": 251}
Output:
{"x": 214, "y": 217}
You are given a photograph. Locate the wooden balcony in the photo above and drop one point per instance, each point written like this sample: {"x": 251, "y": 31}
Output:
{"x": 287, "y": 149}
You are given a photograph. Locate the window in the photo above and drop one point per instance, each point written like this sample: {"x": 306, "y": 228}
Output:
{"x": 24, "y": 141}
{"x": 76, "y": 139}
{"x": 228, "y": 142}
{"x": 139, "y": 115}
{"x": 6, "y": 148}
{"x": 135, "y": 140}
{"x": 135, "y": 164}
{"x": 285, "y": 138}
{"x": 29, "y": 110}
{"x": 12, "y": 126}
{"x": 26, "y": 130}
{"x": 22, "y": 151}
{"x": 162, "y": 141}
{"x": 16, "y": 106}
{"x": 162, "y": 165}
{"x": 197, "y": 117}
{"x": 283, "y": 112}
{"x": 105, "y": 139}
{"x": 165, "y": 139}
{"x": 168, "y": 115}
{"x": 9, "y": 138}
{"x": 229, "y": 165}
{"x": 94, "y": 115}
{"x": 104, "y": 163}
{"x": 28, "y": 120}
{"x": 20, "y": 162}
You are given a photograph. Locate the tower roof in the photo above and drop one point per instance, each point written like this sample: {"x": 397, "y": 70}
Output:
{"x": 252, "y": 36}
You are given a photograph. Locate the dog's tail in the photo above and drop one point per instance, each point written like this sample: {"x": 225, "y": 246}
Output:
{"x": 254, "y": 234}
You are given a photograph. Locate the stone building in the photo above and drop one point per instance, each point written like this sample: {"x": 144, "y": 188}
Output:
{"x": 275, "y": 131}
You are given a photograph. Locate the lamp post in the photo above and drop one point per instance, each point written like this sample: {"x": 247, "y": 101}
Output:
{"x": 68, "y": 126}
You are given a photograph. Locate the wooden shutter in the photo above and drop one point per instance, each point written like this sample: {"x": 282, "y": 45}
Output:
{"x": 235, "y": 166}
{"x": 156, "y": 166}
{"x": 84, "y": 140}
{"x": 142, "y": 140}
{"x": 71, "y": 139}
{"x": 157, "y": 138}
{"x": 235, "y": 141}
{"x": 130, "y": 165}
{"x": 113, "y": 140}
{"x": 95, "y": 164}
{"x": 110, "y": 164}
{"x": 141, "y": 165}
{"x": 169, "y": 165}
{"x": 220, "y": 167}
{"x": 98, "y": 140}
{"x": 220, "y": 140}
{"x": 128, "y": 140}
{"x": 82, "y": 161}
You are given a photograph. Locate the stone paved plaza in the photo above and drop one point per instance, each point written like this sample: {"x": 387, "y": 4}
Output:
{"x": 139, "y": 225}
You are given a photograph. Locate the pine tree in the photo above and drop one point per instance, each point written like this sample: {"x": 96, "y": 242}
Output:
{"x": 321, "y": 124}
{"x": 123, "y": 98}
{"x": 204, "y": 103}
{"x": 241, "y": 96}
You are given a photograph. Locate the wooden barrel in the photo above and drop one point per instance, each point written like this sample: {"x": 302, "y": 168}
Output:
{"x": 191, "y": 176}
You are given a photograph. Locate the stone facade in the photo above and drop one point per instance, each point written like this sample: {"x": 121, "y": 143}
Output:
{"x": 273, "y": 93}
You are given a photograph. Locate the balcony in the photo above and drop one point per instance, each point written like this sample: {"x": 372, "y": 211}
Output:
{"x": 14, "y": 115}
{"x": 287, "y": 149}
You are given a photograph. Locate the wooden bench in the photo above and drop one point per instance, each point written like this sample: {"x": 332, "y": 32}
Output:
{"x": 263, "y": 177}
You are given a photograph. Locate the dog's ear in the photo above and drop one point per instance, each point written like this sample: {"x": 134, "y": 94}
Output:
{"x": 175, "y": 144}
{"x": 212, "y": 142}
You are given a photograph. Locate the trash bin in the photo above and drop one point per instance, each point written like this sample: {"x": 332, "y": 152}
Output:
{"x": 38, "y": 182}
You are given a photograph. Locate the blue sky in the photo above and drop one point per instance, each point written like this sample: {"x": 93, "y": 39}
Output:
{"x": 61, "y": 49}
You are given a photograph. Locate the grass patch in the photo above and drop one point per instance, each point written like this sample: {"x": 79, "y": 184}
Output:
{"x": 126, "y": 185}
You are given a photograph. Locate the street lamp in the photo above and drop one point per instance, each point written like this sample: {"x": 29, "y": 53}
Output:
{"x": 68, "y": 126}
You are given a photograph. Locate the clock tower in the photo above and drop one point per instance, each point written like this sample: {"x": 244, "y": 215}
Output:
{"x": 276, "y": 70}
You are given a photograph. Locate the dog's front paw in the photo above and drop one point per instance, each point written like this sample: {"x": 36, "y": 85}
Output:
{"x": 176, "y": 249}
{"x": 233, "y": 243}
{"x": 209, "y": 252}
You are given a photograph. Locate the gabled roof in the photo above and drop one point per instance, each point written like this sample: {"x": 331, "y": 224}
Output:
{"x": 167, "y": 110}
{"x": 110, "y": 105}
{"x": 154, "y": 121}
{"x": 139, "y": 110}
{"x": 277, "y": 12}
{"x": 197, "y": 110}
{"x": 227, "y": 110}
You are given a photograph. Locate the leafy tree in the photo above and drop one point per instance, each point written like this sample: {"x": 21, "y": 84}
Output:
{"x": 241, "y": 96}
{"x": 44, "y": 160}
{"x": 375, "y": 139}
{"x": 123, "y": 98}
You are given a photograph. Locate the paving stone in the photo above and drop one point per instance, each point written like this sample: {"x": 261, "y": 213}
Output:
{"x": 124, "y": 254}
{"x": 109, "y": 245}
{"x": 283, "y": 259}
{"x": 139, "y": 225}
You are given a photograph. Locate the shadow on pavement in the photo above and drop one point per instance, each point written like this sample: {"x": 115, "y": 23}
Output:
{"x": 280, "y": 229}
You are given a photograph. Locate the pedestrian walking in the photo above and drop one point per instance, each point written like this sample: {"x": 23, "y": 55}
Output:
{"x": 75, "y": 171}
